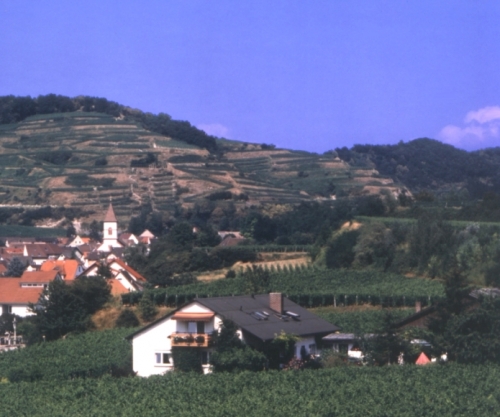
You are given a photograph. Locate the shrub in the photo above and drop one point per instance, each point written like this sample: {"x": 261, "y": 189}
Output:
{"x": 187, "y": 359}
{"x": 127, "y": 318}
{"x": 147, "y": 309}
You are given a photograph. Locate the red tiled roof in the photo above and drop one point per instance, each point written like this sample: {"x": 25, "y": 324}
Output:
{"x": 117, "y": 287}
{"x": 39, "y": 276}
{"x": 67, "y": 268}
{"x": 11, "y": 292}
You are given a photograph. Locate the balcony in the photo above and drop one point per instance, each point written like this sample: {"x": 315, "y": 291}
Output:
{"x": 190, "y": 339}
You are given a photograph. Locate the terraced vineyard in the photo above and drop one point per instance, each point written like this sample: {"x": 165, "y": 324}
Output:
{"x": 82, "y": 159}
{"x": 311, "y": 287}
{"x": 446, "y": 391}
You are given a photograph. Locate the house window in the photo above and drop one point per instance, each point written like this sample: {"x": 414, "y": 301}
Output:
{"x": 312, "y": 349}
{"x": 163, "y": 358}
{"x": 6, "y": 309}
{"x": 110, "y": 231}
{"x": 200, "y": 327}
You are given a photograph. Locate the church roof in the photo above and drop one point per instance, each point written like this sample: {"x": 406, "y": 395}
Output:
{"x": 110, "y": 215}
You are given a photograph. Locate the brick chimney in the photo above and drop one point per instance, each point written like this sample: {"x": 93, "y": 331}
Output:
{"x": 276, "y": 302}
{"x": 418, "y": 306}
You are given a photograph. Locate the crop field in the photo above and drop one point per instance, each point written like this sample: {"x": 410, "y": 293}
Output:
{"x": 311, "y": 287}
{"x": 360, "y": 321}
{"x": 30, "y": 231}
{"x": 50, "y": 147}
{"x": 445, "y": 391}
{"x": 91, "y": 354}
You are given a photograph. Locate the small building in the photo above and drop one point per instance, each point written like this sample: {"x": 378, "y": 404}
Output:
{"x": 123, "y": 278}
{"x": 110, "y": 231}
{"x": 15, "y": 297}
{"x": 260, "y": 319}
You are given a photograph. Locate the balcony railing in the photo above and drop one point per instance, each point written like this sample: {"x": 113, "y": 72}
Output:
{"x": 190, "y": 339}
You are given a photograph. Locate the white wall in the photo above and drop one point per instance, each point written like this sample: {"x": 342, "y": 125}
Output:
{"x": 18, "y": 310}
{"x": 307, "y": 342}
{"x": 155, "y": 340}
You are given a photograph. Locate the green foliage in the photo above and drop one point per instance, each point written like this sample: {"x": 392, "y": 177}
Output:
{"x": 187, "y": 359}
{"x": 339, "y": 252}
{"x": 230, "y": 354}
{"x": 67, "y": 308}
{"x": 467, "y": 332}
{"x": 474, "y": 337}
{"x": 448, "y": 391}
{"x": 60, "y": 157}
{"x": 145, "y": 161}
{"x": 360, "y": 322}
{"x": 375, "y": 247}
{"x": 387, "y": 345}
{"x": 90, "y": 354}
{"x": 427, "y": 163}
{"x": 16, "y": 268}
{"x": 82, "y": 180}
{"x": 147, "y": 309}
{"x": 101, "y": 162}
{"x": 14, "y": 109}
{"x": 127, "y": 318}
{"x": 257, "y": 280}
{"x": 238, "y": 360}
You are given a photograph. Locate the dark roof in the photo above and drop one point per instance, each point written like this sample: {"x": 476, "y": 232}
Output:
{"x": 239, "y": 309}
{"x": 422, "y": 313}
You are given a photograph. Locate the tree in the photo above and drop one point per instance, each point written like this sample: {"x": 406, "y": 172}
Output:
{"x": 127, "y": 318}
{"x": 181, "y": 236}
{"x": 231, "y": 354}
{"x": 147, "y": 308}
{"x": 95, "y": 230}
{"x": 474, "y": 337}
{"x": 60, "y": 312}
{"x": 67, "y": 308}
{"x": 375, "y": 246}
{"x": 340, "y": 250}
{"x": 386, "y": 347}
{"x": 466, "y": 331}
{"x": 257, "y": 280}
{"x": 16, "y": 268}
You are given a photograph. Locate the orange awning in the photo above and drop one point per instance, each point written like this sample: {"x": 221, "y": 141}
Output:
{"x": 193, "y": 316}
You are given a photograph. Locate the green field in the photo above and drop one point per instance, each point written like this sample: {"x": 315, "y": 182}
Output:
{"x": 91, "y": 354}
{"x": 30, "y": 231}
{"x": 395, "y": 391}
{"x": 312, "y": 287}
{"x": 367, "y": 321}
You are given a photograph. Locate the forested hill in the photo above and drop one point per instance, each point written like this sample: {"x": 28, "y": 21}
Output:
{"x": 16, "y": 109}
{"x": 430, "y": 164}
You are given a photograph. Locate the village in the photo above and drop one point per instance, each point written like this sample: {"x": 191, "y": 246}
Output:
{"x": 258, "y": 318}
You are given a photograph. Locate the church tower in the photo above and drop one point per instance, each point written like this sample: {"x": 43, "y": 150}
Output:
{"x": 110, "y": 231}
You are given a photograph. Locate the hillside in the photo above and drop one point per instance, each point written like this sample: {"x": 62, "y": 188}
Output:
{"x": 81, "y": 159}
{"x": 429, "y": 164}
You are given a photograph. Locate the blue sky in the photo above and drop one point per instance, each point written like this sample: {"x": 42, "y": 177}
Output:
{"x": 302, "y": 75}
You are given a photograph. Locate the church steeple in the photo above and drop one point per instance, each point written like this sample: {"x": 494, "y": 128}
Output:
{"x": 110, "y": 231}
{"x": 110, "y": 215}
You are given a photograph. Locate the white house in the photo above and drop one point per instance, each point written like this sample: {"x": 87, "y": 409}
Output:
{"x": 16, "y": 295}
{"x": 260, "y": 319}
